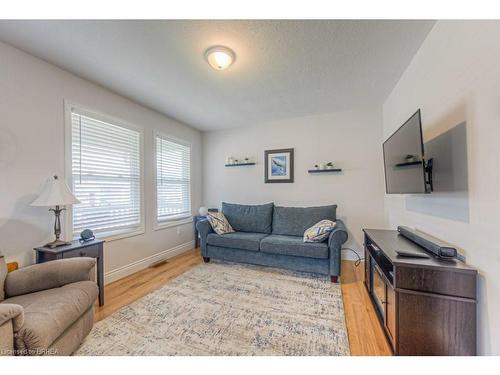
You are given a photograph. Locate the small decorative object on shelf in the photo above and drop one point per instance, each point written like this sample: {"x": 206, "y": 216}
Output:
{"x": 239, "y": 165}
{"x": 203, "y": 211}
{"x": 316, "y": 166}
{"x": 322, "y": 166}
{"x": 86, "y": 235}
{"x": 233, "y": 162}
{"x": 329, "y": 165}
{"x": 410, "y": 158}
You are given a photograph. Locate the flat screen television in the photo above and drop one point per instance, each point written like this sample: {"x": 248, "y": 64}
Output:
{"x": 404, "y": 161}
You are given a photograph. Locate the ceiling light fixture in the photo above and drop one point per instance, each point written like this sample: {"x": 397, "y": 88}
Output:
{"x": 219, "y": 57}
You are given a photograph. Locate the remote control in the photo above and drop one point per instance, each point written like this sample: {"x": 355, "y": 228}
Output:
{"x": 408, "y": 254}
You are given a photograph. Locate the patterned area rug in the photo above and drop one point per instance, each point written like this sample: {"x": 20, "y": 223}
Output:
{"x": 228, "y": 309}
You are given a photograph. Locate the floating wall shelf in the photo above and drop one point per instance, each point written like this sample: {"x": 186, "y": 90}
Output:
{"x": 324, "y": 170}
{"x": 239, "y": 164}
{"x": 408, "y": 163}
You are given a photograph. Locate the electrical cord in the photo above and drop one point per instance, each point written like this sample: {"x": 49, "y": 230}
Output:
{"x": 358, "y": 261}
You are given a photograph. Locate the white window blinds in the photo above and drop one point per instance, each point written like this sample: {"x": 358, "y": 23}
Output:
{"x": 106, "y": 171}
{"x": 173, "y": 179}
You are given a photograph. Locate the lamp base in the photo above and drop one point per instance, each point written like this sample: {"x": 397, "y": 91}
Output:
{"x": 57, "y": 243}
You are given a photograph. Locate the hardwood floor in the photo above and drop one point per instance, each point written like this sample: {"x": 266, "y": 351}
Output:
{"x": 365, "y": 334}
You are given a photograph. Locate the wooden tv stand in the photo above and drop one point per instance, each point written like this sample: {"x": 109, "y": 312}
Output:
{"x": 425, "y": 306}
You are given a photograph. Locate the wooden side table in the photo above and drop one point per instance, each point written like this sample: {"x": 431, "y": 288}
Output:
{"x": 92, "y": 249}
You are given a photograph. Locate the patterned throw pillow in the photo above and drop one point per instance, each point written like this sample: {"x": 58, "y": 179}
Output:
{"x": 219, "y": 223}
{"x": 319, "y": 231}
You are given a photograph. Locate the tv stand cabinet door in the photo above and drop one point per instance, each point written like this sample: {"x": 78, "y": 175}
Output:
{"x": 390, "y": 313}
{"x": 432, "y": 324}
{"x": 368, "y": 270}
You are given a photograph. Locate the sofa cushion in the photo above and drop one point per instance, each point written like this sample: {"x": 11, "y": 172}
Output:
{"x": 48, "y": 313}
{"x": 291, "y": 245}
{"x": 246, "y": 218}
{"x": 237, "y": 240}
{"x": 293, "y": 221}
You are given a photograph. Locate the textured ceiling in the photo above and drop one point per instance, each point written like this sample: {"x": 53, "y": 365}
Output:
{"x": 283, "y": 69}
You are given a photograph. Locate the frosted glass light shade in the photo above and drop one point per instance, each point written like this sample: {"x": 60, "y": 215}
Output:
{"x": 219, "y": 57}
{"x": 55, "y": 193}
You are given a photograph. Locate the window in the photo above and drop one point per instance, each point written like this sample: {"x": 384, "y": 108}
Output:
{"x": 106, "y": 174}
{"x": 173, "y": 179}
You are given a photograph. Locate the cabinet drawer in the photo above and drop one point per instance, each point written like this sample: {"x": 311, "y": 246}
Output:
{"x": 459, "y": 284}
{"x": 90, "y": 251}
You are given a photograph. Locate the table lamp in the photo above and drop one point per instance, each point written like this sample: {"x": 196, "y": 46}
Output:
{"x": 56, "y": 193}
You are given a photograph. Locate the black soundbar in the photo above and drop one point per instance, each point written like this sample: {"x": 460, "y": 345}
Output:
{"x": 429, "y": 243}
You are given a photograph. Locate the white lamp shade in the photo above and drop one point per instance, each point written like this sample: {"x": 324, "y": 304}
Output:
{"x": 55, "y": 193}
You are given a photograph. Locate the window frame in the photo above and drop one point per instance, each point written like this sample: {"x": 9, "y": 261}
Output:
{"x": 158, "y": 225}
{"x": 117, "y": 234}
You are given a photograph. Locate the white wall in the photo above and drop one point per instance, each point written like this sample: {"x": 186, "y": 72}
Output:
{"x": 352, "y": 140}
{"x": 32, "y": 94}
{"x": 455, "y": 77}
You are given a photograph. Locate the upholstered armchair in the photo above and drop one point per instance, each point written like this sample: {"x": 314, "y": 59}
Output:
{"x": 46, "y": 309}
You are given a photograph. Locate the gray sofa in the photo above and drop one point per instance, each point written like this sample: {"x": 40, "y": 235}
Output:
{"x": 46, "y": 308}
{"x": 273, "y": 236}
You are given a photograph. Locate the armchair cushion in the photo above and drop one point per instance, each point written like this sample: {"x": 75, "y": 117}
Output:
{"x": 48, "y": 313}
{"x": 48, "y": 275}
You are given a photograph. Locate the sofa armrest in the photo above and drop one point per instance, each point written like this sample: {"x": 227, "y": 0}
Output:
{"x": 48, "y": 275}
{"x": 335, "y": 241}
{"x": 204, "y": 228}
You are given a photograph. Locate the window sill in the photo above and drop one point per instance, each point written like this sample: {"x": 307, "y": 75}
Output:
{"x": 173, "y": 223}
{"x": 119, "y": 235}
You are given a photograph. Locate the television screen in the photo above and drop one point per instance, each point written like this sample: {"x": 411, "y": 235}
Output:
{"x": 404, "y": 159}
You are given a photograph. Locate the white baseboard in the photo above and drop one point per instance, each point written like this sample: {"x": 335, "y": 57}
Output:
{"x": 348, "y": 255}
{"x": 139, "y": 265}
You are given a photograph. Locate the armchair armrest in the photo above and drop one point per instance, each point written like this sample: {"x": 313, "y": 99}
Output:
{"x": 48, "y": 275}
{"x": 11, "y": 321}
{"x": 10, "y": 311}
{"x": 335, "y": 241}
{"x": 204, "y": 228}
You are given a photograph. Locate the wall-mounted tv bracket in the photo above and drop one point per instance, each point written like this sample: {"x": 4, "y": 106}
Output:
{"x": 429, "y": 187}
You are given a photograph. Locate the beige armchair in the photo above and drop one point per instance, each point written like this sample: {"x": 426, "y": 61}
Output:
{"x": 48, "y": 308}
